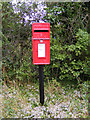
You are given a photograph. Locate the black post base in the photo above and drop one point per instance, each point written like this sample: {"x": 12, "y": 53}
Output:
{"x": 41, "y": 84}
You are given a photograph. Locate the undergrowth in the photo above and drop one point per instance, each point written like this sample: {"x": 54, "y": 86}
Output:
{"x": 60, "y": 101}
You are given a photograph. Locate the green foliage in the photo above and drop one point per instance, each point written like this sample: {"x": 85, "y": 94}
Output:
{"x": 70, "y": 61}
{"x": 69, "y": 41}
{"x": 69, "y": 48}
{"x": 17, "y": 50}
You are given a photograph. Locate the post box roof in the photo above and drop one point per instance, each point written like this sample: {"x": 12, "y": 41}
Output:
{"x": 41, "y": 26}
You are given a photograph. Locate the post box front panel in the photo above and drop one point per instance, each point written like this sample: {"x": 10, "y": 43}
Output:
{"x": 41, "y": 53}
{"x": 41, "y": 34}
{"x": 41, "y": 43}
{"x": 41, "y": 30}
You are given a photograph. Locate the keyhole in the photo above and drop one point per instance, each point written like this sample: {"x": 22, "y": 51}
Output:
{"x": 41, "y": 40}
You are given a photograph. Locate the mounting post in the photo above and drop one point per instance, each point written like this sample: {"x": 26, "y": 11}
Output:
{"x": 41, "y": 84}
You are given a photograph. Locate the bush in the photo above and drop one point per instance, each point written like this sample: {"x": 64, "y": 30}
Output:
{"x": 69, "y": 61}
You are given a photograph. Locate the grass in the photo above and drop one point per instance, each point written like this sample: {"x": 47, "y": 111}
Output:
{"x": 60, "y": 101}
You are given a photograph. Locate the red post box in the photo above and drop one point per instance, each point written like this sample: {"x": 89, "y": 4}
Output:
{"x": 41, "y": 43}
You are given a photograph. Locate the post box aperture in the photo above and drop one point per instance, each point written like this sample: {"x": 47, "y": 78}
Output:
{"x": 41, "y": 43}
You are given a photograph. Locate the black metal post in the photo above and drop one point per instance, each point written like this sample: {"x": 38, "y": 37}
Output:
{"x": 41, "y": 84}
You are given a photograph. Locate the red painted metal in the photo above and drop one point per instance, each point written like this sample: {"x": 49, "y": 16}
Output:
{"x": 41, "y": 43}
